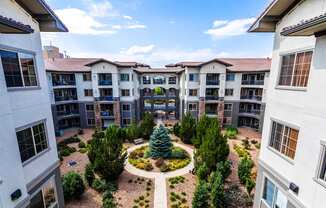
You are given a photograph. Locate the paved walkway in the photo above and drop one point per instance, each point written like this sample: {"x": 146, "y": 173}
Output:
{"x": 160, "y": 198}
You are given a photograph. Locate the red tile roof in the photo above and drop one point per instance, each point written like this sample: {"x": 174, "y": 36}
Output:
{"x": 68, "y": 64}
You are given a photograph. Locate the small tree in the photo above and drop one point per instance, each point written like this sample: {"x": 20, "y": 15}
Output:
{"x": 250, "y": 185}
{"x": 224, "y": 167}
{"x": 89, "y": 174}
{"x": 214, "y": 148}
{"x": 160, "y": 143}
{"x": 244, "y": 169}
{"x": 73, "y": 186}
{"x": 187, "y": 129}
{"x": 217, "y": 191}
{"x": 107, "y": 156}
{"x": 201, "y": 129}
{"x": 201, "y": 196}
{"x": 176, "y": 129}
{"x": 202, "y": 172}
{"x": 147, "y": 125}
{"x": 133, "y": 131}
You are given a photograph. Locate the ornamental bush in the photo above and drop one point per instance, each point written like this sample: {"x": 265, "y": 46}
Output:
{"x": 147, "y": 125}
{"x": 202, "y": 126}
{"x": 224, "y": 167}
{"x": 217, "y": 191}
{"x": 202, "y": 172}
{"x": 89, "y": 174}
{"x": 187, "y": 128}
{"x": 73, "y": 186}
{"x": 231, "y": 132}
{"x": 99, "y": 185}
{"x": 160, "y": 144}
{"x": 244, "y": 169}
{"x": 201, "y": 196}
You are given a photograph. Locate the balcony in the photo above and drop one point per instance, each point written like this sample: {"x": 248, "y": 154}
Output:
{"x": 107, "y": 114}
{"x": 126, "y": 114}
{"x": 65, "y": 98}
{"x": 252, "y": 82}
{"x": 68, "y": 113}
{"x": 212, "y": 82}
{"x": 105, "y": 98}
{"x": 159, "y": 107}
{"x": 211, "y": 97}
{"x": 63, "y": 82}
{"x": 251, "y": 97}
{"x": 105, "y": 82}
{"x": 250, "y": 111}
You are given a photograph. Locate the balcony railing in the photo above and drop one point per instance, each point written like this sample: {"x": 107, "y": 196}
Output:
{"x": 65, "y": 98}
{"x": 171, "y": 94}
{"x": 211, "y": 112}
{"x": 105, "y": 82}
{"x": 250, "y": 111}
{"x": 251, "y": 97}
{"x": 105, "y": 98}
{"x": 107, "y": 114}
{"x": 63, "y": 82}
{"x": 67, "y": 113}
{"x": 211, "y": 97}
{"x": 126, "y": 114}
{"x": 252, "y": 82}
{"x": 212, "y": 82}
{"x": 160, "y": 107}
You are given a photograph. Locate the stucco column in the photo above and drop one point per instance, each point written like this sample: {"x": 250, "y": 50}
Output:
{"x": 201, "y": 106}
{"x": 98, "y": 120}
{"x": 220, "y": 112}
{"x": 116, "y": 111}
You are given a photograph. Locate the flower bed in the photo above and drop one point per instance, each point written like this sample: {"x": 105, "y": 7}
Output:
{"x": 140, "y": 159}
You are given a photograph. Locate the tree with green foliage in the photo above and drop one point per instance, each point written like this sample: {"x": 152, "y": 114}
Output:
{"x": 106, "y": 154}
{"x": 133, "y": 131}
{"x": 201, "y": 196}
{"x": 160, "y": 144}
{"x": 187, "y": 128}
{"x": 201, "y": 129}
{"x": 108, "y": 200}
{"x": 89, "y": 174}
{"x": 244, "y": 169}
{"x": 202, "y": 172}
{"x": 214, "y": 148}
{"x": 73, "y": 186}
{"x": 224, "y": 167}
{"x": 176, "y": 129}
{"x": 217, "y": 191}
{"x": 147, "y": 125}
{"x": 250, "y": 185}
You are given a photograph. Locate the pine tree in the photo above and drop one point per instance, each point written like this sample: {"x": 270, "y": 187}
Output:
{"x": 147, "y": 125}
{"x": 187, "y": 128}
{"x": 201, "y": 129}
{"x": 201, "y": 196}
{"x": 160, "y": 143}
{"x": 217, "y": 191}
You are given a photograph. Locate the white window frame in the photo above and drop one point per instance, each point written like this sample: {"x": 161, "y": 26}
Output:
{"x": 321, "y": 162}
{"x": 51, "y": 179}
{"x": 124, "y": 74}
{"x": 128, "y": 105}
{"x": 125, "y": 95}
{"x": 276, "y": 190}
{"x": 193, "y": 104}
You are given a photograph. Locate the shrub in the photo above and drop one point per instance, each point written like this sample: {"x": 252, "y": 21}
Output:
{"x": 257, "y": 145}
{"x": 83, "y": 150}
{"x": 132, "y": 131}
{"x": 159, "y": 162}
{"x": 244, "y": 169}
{"x": 179, "y": 153}
{"x": 176, "y": 129}
{"x": 147, "y": 125}
{"x": 174, "y": 164}
{"x": 164, "y": 167}
{"x": 250, "y": 185}
{"x": 108, "y": 201}
{"x": 253, "y": 142}
{"x": 81, "y": 144}
{"x": 202, "y": 172}
{"x": 241, "y": 151}
{"x": 201, "y": 196}
{"x": 99, "y": 185}
{"x": 89, "y": 174}
{"x": 187, "y": 129}
{"x": 231, "y": 132}
{"x": 246, "y": 143}
{"x": 224, "y": 167}
{"x": 202, "y": 126}
{"x": 148, "y": 167}
{"x": 73, "y": 139}
{"x": 73, "y": 186}
{"x": 217, "y": 191}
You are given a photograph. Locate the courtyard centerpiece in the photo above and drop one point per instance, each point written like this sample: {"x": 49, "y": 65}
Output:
{"x": 160, "y": 155}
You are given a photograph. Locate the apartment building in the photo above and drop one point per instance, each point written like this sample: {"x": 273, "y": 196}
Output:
{"x": 292, "y": 161}
{"x": 97, "y": 92}
{"x": 29, "y": 165}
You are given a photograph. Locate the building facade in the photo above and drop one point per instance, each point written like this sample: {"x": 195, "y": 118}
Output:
{"x": 97, "y": 92}
{"x": 292, "y": 161}
{"x": 29, "y": 170}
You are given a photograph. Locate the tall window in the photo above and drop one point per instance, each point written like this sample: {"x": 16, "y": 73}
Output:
{"x": 146, "y": 80}
{"x": 125, "y": 92}
{"x": 193, "y": 77}
{"x": 284, "y": 139}
{"x": 193, "y": 92}
{"x": 32, "y": 141}
{"x": 272, "y": 196}
{"x": 126, "y": 107}
{"x": 87, "y": 76}
{"x": 192, "y": 106}
{"x": 88, "y": 92}
{"x": 230, "y": 76}
{"x": 322, "y": 165}
{"x": 295, "y": 69}
{"x": 90, "y": 107}
{"x": 172, "y": 80}
{"x": 19, "y": 69}
{"x": 228, "y": 92}
{"x": 46, "y": 197}
{"x": 124, "y": 77}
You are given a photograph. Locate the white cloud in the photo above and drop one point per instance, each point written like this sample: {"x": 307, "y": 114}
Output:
{"x": 225, "y": 28}
{"x": 100, "y": 9}
{"x": 136, "y": 49}
{"x": 135, "y": 26}
{"x": 79, "y": 22}
{"x": 127, "y": 17}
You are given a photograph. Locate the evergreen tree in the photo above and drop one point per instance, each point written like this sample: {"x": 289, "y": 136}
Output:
{"x": 201, "y": 129}
{"x": 147, "y": 125}
{"x": 160, "y": 144}
{"x": 107, "y": 156}
{"x": 187, "y": 129}
{"x": 217, "y": 191}
{"x": 201, "y": 196}
{"x": 214, "y": 148}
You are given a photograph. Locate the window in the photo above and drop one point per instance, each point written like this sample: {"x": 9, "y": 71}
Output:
{"x": 125, "y": 107}
{"x": 146, "y": 80}
{"x": 322, "y": 165}
{"x": 87, "y": 76}
{"x": 192, "y": 106}
{"x": 295, "y": 69}
{"x": 125, "y": 92}
{"x": 193, "y": 92}
{"x": 172, "y": 80}
{"x": 228, "y": 92}
{"x": 212, "y": 79}
{"x": 19, "y": 69}
{"x": 284, "y": 139}
{"x": 91, "y": 121}
{"x": 159, "y": 80}
{"x": 88, "y": 92}
{"x": 193, "y": 77}
{"x": 124, "y": 77}
{"x": 228, "y": 107}
{"x": 126, "y": 121}
{"x": 32, "y": 141}
{"x": 89, "y": 107}
{"x": 272, "y": 196}
{"x": 230, "y": 76}
{"x": 46, "y": 197}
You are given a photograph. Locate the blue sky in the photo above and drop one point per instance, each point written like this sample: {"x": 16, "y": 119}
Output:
{"x": 159, "y": 32}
